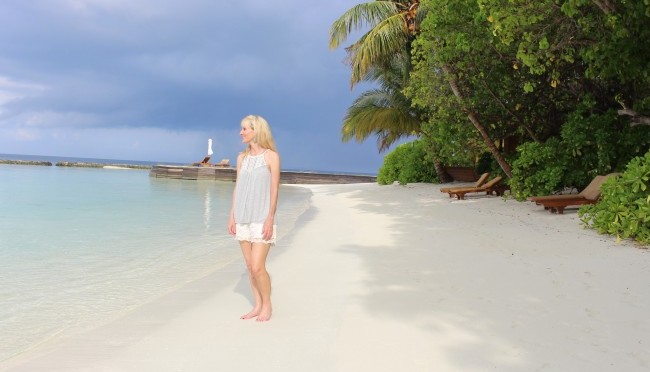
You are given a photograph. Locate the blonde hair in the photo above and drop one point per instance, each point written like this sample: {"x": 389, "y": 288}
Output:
{"x": 263, "y": 136}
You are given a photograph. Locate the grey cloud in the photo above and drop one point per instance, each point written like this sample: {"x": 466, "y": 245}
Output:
{"x": 174, "y": 65}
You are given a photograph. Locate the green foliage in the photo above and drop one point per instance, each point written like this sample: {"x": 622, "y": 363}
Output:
{"x": 590, "y": 144}
{"x": 624, "y": 207}
{"x": 487, "y": 163}
{"x": 519, "y": 67}
{"x": 599, "y": 143}
{"x": 406, "y": 164}
{"x": 383, "y": 112}
{"x": 383, "y": 56}
{"x": 452, "y": 144}
{"x": 490, "y": 78}
{"x": 603, "y": 41}
{"x": 539, "y": 169}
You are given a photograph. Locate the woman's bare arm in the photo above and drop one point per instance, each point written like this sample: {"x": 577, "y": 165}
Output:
{"x": 231, "y": 220}
{"x": 273, "y": 162}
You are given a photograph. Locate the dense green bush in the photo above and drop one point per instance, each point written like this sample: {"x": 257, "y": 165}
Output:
{"x": 407, "y": 164}
{"x": 590, "y": 144}
{"x": 624, "y": 207}
{"x": 539, "y": 169}
{"x": 599, "y": 144}
{"x": 451, "y": 144}
{"x": 486, "y": 163}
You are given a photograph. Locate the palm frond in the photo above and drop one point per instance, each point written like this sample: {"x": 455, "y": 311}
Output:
{"x": 359, "y": 16}
{"x": 392, "y": 73}
{"x": 375, "y": 112}
{"x": 421, "y": 14}
{"x": 386, "y": 39}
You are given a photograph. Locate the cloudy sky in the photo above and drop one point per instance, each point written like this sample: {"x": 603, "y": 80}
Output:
{"x": 154, "y": 79}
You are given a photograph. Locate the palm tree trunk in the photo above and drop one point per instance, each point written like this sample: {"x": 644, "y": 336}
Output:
{"x": 488, "y": 141}
{"x": 443, "y": 176}
{"x": 477, "y": 123}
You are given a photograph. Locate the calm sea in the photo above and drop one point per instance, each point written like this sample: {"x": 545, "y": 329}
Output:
{"x": 82, "y": 245}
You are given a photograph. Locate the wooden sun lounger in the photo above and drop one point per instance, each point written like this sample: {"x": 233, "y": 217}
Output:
{"x": 203, "y": 163}
{"x": 539, "y": 199}
{"x": 206, "y": 163}
{"x": 492, "y": 186}
{"x": 557, "y": 203}
{"x": 481, "y": 180}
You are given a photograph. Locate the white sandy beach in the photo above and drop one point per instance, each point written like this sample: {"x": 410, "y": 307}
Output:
{"x": 397, "y": 278}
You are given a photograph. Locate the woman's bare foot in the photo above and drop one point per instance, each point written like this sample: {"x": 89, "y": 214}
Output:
{"x": 252, "y": 314}
{"x": 264, "y": 315}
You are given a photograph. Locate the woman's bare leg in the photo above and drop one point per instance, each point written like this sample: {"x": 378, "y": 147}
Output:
{"x": 247, "y": 249}
{"x": 262, "y": 280}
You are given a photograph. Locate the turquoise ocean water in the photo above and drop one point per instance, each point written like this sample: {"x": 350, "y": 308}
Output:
{"x": 79, "y": 246}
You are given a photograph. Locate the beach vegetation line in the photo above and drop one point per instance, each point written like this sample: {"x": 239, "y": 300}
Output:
{"x": 624, "y": 207}
{"x": 484, "y": 78}
{"x": 589, "y": 144}
{"x": 405, "y": 164}
{"x": 546, "y": 94}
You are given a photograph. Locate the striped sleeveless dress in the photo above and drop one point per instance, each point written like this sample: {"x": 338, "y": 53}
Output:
{"x": 253, "y": 199}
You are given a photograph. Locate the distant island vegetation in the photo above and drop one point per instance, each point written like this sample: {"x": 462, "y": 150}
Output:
{"x": 73, "y": 164}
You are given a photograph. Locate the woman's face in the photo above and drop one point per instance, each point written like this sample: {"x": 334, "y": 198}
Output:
{"x": 247, "y": 133}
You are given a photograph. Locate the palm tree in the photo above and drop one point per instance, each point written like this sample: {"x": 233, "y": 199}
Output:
{"x": 386, "y": 112}
{"x": 473, "y": 118}
{"x": 377, "y": 112}
{"x": 382, "y": 55}
{"x": 393, "y": 26}
{"x": 383, "y": 111}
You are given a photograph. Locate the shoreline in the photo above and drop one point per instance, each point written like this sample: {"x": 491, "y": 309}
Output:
{"x": 80, "y": 290}
{"x": 379, "y": 278}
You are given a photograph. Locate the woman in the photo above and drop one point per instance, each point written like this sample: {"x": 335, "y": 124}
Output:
{"x": 252, "y": 217}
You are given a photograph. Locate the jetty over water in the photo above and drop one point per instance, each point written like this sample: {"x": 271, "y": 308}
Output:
{"x": 229, "y": 174}
{"x": 215, "y": 173}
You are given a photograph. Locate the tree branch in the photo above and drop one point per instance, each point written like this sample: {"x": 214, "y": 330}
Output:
{"x": 605, "y": 5}
{"x": 636, "y": 118}
{"x": 503, "y": 105}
